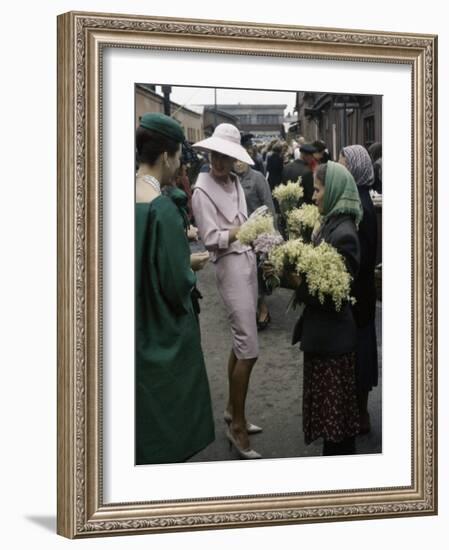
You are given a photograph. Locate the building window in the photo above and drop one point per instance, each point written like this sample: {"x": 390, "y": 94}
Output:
{"x": 244, "y": 119}
{"x": 268, "y": 119}
{"x": 368, "y": 130}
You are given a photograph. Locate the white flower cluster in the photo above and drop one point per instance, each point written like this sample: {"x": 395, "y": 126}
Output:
{"x": 302, "y": 219}
{"x": 252, "y": 228}
{"x": 288, "y": 194}
{"x": 322, "y": 266}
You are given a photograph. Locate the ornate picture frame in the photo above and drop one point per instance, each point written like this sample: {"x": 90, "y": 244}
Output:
{"x": 82, "y": 39}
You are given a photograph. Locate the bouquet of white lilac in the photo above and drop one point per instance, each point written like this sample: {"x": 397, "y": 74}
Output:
{"x": 255, "y": 226}
{"x": 322, "y": 266}
{"x": 301, "y": 221}
{"x": 286, "y": 256}
{"x": 288, "y": 195}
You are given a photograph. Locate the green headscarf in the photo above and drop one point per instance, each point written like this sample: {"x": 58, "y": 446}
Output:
{"x": 341, "y": 195}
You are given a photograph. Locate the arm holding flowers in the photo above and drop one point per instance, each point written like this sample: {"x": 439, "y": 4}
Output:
{"x": 341, "y": 234}
{"x": 213, "y": 237}
{"x": 288, "y": 279}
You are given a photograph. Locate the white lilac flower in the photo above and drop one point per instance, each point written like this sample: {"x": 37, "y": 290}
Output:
{"x": 288, "y": 194}
{"x": 252, "y": 228}
{"x": 303, "y": 219}
{"x": 322, "y": 266}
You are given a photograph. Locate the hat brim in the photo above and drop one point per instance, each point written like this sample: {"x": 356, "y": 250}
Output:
{"x": 308, "y": 150}
{"x": 225, "y": 147}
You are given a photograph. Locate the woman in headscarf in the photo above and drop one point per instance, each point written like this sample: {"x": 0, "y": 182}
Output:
{"x": 220, "y": 208}
{"x": 173, "y": 409}
{"x": 328, "y": 337}
{"x": 358, "y": 162}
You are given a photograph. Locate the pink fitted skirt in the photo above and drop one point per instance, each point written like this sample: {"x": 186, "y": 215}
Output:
{"x": 236, "y": 276}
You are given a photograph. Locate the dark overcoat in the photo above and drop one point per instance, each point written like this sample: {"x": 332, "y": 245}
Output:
{"x": 321, "y": 329}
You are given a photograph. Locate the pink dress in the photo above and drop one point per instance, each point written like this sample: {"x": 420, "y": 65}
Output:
{"x": 218, "y": 207}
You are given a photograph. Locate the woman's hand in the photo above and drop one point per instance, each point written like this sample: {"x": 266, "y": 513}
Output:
{"x": 291, "y": 280}
{"x": 192, "y": 233}
{"x": 288, "y": 278}
{"x": 261, "y": 211}
{"x": 268, "y": 270}
{"x": 233, "y": 234}
{"x": 198, "y": 260}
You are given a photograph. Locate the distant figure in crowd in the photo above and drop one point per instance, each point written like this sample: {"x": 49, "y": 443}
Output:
{"x": 173, "y": 409}
{"x": 286, "y": 153}
{"x": 253, "y": 152}
{"x": 321, "y": 154}
{"x": 296, "y": 148}
{"x": 358, "y": 162}
{"x": 257, "y": 193}
{"x": 375, "y": 152}
{"x": 275, "y": 165}
{"x": 301, "y": 168}
{"x": 219, "y": 207}
{"x": 182, "y": 182}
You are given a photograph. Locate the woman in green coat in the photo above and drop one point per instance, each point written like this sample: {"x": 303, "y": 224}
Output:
{"x": 173, "y": 408}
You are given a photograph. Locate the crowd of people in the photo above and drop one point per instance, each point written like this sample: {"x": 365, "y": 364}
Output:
{"x": 179, "y": 198}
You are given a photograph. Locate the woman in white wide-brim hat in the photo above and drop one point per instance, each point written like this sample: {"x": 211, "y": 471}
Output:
{"x": 219, "y": 208}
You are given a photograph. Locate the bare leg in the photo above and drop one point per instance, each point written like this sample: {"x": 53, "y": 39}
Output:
{"x": 239, "y": 382}
{"x": 232, "y": 361}
{"x": 262, "y": 311}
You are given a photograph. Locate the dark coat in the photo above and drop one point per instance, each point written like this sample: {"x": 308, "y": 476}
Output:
{"x": 294, "y": 170}
{"x": 378, "y": 175}
{"x": 275, "y": 165}
{"x": 364, "y": 288}
{"x": 322, "y": 329}
{"x": 258, "y": 164}
{"x": 257, "y": 191}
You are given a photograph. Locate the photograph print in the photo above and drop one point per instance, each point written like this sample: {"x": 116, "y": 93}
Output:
{"x": 258, "y": 274}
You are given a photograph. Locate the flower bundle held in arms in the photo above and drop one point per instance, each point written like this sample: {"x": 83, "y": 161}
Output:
{"x": 288, "y": 195}
{"x": 255, "y": 226}
{"x": 322, "y": 266}
{"x": 301, "y": 221}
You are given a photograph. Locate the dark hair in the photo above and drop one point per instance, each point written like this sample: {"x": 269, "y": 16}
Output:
{"x": 150, "y": 145}
{"x": 277, "y": 147}
{"x": 375, "y": 151}
{"x": 319, "y": 145}
{"x": 320, "y": 174}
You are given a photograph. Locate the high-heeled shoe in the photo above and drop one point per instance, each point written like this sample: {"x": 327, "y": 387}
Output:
{"x": 247, "y": 454}
{"x": 250, "y": 428}
{"x": 262, "y": 325}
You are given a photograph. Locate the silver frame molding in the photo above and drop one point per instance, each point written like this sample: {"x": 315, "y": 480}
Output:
{"x": 81, "y": 39}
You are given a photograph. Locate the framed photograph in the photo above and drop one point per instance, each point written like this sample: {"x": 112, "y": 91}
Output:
{"x": 345, "y": 87}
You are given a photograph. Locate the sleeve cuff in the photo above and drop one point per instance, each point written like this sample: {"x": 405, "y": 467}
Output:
{"x": 223, "y": 239}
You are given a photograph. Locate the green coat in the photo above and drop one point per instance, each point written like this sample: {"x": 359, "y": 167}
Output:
{"x": 173, "y": 408}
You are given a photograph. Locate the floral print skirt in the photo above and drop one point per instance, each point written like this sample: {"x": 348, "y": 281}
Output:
{"x": 330, "y": 407}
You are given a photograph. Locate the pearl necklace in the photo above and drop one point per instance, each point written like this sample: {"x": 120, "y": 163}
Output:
{"x": 151, "y": 180}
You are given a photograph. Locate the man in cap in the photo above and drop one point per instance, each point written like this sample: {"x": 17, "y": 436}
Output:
{"x": 247, "y": 142}
{"x": 302, "y": 168}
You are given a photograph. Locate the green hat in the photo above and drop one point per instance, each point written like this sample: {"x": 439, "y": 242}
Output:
{"x": 164, "y": 125}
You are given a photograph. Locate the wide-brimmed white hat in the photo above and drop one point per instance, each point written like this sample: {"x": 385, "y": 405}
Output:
{"x": 226, "y": 140}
